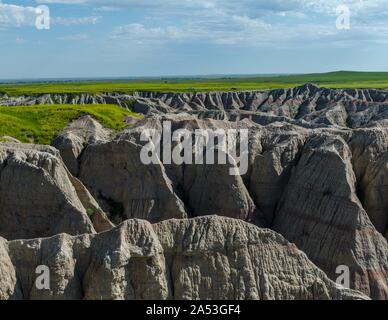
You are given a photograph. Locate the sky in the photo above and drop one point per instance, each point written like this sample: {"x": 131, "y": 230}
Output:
{"x": 127, "y": 38}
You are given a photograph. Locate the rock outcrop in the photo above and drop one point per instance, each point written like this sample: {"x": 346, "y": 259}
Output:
{"x": 65, "y": 98}
{"x": 76, "y": 136}
{"x": 321, "y": 214}
{"x": 374, "y": 192}
{"x": 126, "y": 187}
{"x": 9, "y": 139}
{"x": 330, "y": 179}
{"x": 203, "y": 258}
{"x": 342, "y": 107}
{"x": 317, "y": 177}
{"x": 304, "y": 104}
{"x": 37, "y": 196}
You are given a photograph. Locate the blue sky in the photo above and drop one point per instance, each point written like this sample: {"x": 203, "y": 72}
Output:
{"x": 98, "y": 38}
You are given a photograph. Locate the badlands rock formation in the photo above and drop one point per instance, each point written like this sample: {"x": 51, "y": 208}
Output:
{"x": 38, "y": 195}
{"x": 304, "y": 104}
{"x": 317, "y": 178}
{"x": 328, "y": 221}
{"x": 203, "y": 258}
{"x": 74, "y": 138}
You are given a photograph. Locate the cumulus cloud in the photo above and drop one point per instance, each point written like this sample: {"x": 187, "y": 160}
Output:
{"x": 358, "y": 7}
{"x": 18, "y": 16}
{"x": 140, "y": 33}
{"x": 230, "y": 22}
{"x": 14, "y": 15}
{"x": 223, "y": 29}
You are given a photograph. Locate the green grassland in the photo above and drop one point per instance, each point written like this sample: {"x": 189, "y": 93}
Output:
{"x": 40, "y": 124}
{"x": 341, "y": 79}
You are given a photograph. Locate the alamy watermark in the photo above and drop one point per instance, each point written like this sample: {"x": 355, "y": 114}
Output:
{"x": 343, "y": 13}
{"x": 343, "y": 17}
{"x": 42, "y": 20}
{"x": 42, "y": 281}
{"x": 38, "y": 17}
{"x": 199, "y": 146}
{"x": 343, "y": 279}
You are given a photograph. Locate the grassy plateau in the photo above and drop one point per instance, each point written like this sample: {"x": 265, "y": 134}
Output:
{"x": 341, "y": 79}
{"x": 40, "y": 124}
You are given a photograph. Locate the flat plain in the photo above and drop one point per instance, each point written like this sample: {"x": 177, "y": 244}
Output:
{"x": 334, "y": 80}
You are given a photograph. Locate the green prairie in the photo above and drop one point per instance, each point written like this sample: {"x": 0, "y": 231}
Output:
{"x": 341, "y": 79}
{"x": 40, "y": 124}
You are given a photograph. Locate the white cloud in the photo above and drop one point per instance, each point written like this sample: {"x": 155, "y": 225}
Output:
{"x": 63, "y": 1}
{"x": 19, "y": 16}
{"x": 321, "y": 6}
{"x": 14, "y": 15}
{"x": 139, "y": 33}
{"x": 245, "y": 22}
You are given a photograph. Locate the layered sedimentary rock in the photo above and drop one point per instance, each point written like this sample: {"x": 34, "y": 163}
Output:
{"x": 57, "y": 98}
{"x": 307, "y": 103}
{"x": 266, "y": 195}
{"x": 375, "y": 191}
{"x": 321, "y": 214}
{"x": 221, "y": 258}
{"x": 342, "y": 188}
{"x": 126, "y": 187}
{"x": 317, "y": 174}
{"x": 37, "y": 196}
{"x": 343, "y": 107}
{"x": 118, "y": 178}
{"x": 203, "y": 258}
{"x": 76, "y": 136}
{"x": 367, "y": 144}
{"x": 271, "y": 169}
{"x": 7, "y": 272}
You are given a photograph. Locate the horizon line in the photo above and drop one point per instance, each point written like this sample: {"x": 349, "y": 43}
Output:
{"x": 162, "y": 77}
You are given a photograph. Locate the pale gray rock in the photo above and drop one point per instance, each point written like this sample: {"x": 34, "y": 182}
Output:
{"x": 211, "y": 189}
{"x": 56, "y": 98}
{"x": 9, "y": 139}
{"x": 127, "y": 188}
{"x": 7, "y": 273}
{"x": 304, "y": 104}
{"x": 342, "y": 107}
{"x": 223, "y": 258}
{"x": 36, "y": 194}
{"x": 375, "y": 191}
{"x": 202, "y": 258}
{"x": 204, "y": 188}
{"x": 125, "y": 263}
{"x": 321, "y": 214}
{"x": 76, "y": 136}
{"x": 317, "y": 174}
{"x": 367, "y": 144}
{"x": 98, "y": 217}
{"x": 271, "y": 170}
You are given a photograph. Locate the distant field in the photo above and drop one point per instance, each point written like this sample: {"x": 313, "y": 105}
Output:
{"x": 40, "y": 124}
{"x": 342, "y": 79}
